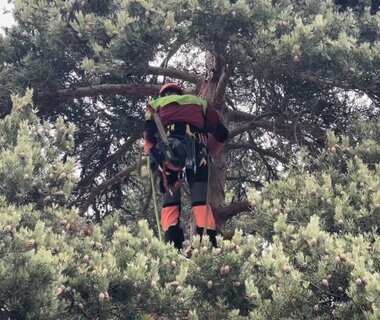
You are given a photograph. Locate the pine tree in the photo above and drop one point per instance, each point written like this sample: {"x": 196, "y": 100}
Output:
{"x": 287, "y": 77}
{"x": 286, "y": 70}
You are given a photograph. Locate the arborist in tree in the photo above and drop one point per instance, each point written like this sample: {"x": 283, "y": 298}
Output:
{"x": 193, "y": 128}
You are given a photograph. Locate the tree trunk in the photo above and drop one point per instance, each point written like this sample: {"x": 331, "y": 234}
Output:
{"x": 218, "y": 172}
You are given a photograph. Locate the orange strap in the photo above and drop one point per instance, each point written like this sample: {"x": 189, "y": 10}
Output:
{"x": 164, "y": 173}
{"x": 147, "y": 146}
{"x": 200, "y": 217}
{"x": 169, "y": 217}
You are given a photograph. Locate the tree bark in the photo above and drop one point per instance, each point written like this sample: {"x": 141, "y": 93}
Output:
{"x": 225, "y": 213}
{"x": 120, "y": 89}
{"x": 217, "y": 79}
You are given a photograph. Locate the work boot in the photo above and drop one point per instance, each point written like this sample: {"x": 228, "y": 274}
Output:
{"x": 175, "y": 235}
{"x": 210, "y": 233}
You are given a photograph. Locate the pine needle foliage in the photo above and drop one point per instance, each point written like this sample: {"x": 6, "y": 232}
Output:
{"x": 315, "y": 252}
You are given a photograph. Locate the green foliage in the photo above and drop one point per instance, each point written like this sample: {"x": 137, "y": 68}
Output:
{"x": 343, "y": 189}
{"x": 324, "y": 225}
{"x": 31, "y": 166}
{"x": 316, "y": 251}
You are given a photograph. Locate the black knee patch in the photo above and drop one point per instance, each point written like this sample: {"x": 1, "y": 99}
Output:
{"x": 175, "y": 235}
{"x": 198, "y": 193}
{"x": 210, "y": 233}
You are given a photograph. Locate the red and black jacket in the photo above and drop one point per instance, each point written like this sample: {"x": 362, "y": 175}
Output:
{"x": 188, "y": 109}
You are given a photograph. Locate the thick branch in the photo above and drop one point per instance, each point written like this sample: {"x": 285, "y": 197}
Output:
{"x": 267, "y": 125}
{"x": 107, "y": 90}
{"x": 221, "y": 87}
{"x": 285, "y": 130}
{"x": 239, "y": 116}
{"x": 256, "y": 183}
{"x": 145, "y": 209}
{"x": 122, "y": 89}
{"x": 174, "y": 73}
{"x": 223, "y": 214}
{"x": 339, "y": 83}
{"x": 371, "y": 90}
{"x": 254, "y": 147}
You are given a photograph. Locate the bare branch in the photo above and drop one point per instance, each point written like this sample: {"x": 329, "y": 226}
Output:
{"x": 106, "y": 184}
{"x": 250, "y": 126}
{"x": 340, "y": 83}
{"x": 285, "y": 130}
{"x": 110, "y": 159}
{"x": 239, "y": 116}
{"x": 256, "y": 183}
{"x": 145, "y": 208}
{"x": 242, "y": 116}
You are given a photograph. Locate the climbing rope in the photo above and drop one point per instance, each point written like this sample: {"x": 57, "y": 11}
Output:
{"x": 154, "y": 199}
{"x": 208, "y": 193}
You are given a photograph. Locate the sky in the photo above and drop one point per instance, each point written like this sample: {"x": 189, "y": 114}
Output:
{"x": 6, "y": 19}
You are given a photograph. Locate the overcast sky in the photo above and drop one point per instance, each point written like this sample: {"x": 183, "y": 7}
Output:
{"x": 6, "y": 19}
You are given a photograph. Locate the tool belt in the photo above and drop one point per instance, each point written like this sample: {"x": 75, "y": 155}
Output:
{"x": 185, "y": 131}
{"x": 189, "y": 148}
{"x": 188, "y": 144}
{"x": 193, "y": 138}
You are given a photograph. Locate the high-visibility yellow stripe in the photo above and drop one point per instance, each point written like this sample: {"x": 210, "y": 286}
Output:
{"x": 148, "y": 115}
{"x": 180, "y": 100}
